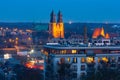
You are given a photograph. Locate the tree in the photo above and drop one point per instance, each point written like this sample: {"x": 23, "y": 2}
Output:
{"x": 2, "y": 77}
{"x": 24, "y": 73}
{"x": 64, "y": 71}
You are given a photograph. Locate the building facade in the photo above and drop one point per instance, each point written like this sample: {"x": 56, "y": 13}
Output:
{"x": 100, "y": 32}
{"x": 82, "y": 60}
{"x": 56, "y": 29}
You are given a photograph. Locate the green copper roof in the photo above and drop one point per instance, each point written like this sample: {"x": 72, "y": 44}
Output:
{"x": 41, "y": 27}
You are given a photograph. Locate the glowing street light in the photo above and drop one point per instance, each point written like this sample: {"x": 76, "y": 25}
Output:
{"x": 7, "y": 56}
{"x": 16, "y": 38}
{"x": 32, "y": 51}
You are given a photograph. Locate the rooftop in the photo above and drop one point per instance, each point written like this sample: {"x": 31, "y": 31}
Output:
{"x": 80, "y": 47}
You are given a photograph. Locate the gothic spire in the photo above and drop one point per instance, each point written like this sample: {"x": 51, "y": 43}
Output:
{"x": 59, "y": 17}
{"x": 52, "y": 15}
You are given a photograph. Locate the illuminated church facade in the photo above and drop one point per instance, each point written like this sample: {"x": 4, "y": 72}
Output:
{"x": 100, "y": 32}
{"x": 56, "y": 29}
{"x": 100, "y": 38}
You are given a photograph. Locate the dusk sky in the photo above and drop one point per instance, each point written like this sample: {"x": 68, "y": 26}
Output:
{"x": 72, "y": 10}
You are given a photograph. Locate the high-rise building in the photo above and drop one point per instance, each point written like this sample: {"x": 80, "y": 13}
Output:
{"x": 56, "y": 29}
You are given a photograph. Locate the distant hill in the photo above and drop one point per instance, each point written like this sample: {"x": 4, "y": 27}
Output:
{"x": 73, "y": 27}
{"x": 78, "y": 27}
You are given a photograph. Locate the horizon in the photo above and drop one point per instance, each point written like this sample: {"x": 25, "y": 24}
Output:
{"x": 12, "y": 22}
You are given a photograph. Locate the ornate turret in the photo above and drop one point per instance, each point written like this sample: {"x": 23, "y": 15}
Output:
{"x": 59, "y": 17}
{"x": 52, "y": 19}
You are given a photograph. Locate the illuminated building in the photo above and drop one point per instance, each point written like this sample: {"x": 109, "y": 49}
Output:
{"x": 100, "y": 32}
{"x": 34, "y": 65}
{"x": 100, "y": 38}
{"x": 96, "y": 33}
{"x": 35, "y": 60}
{"x": 82, "y": 60}
{"x": 56, "y": 29}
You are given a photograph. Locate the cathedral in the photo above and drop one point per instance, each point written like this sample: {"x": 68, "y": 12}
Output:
{"x": 56, "y": 28}
{"x": 100, "y": 32}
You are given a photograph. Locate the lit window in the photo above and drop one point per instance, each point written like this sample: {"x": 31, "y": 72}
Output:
{"x": 90, "y": 59}
{"x": 63, "y": 51}
{"x": 98, "y": 59}
{"x": 68, "y": 59}
{"x": 46, "y": 53}
{"x": 29, "y": 38}
{"x": 10, "y": 40}
{"x": 16, "y": 38}
{"x": 74, "y": 60}
{"x": 105, "y": 59}
{"x": 82, "y": 59}
{"x": 74, "y": 51}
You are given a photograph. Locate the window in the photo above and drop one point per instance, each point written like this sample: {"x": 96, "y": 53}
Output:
{"x": 98, "y": 59}
{"x": 68, "y": 59}
{"x": 63, "y": 51}
{"x": 118, "y": 59}
{"x": 74, "y": 67}
{"x": 95, "y": 41}
{"x": 105, "y": 59}
{"x": 90, "y": 60}
{"x": 82, "y": 67}
{"x": 74, "y": 75}
{"x": 82, "y": 74}
{"x": 113, "y": 59}
{"x": 118, "y": 66}
{"x": 62, "y": 60}
{"x": 99, "y": 41}
{"x": 82, "y": 60}
{"x": 113, "y": 65}
{"x": 74, "y": 60}
{"x": 74, "y": 51}
{"x": 53, "y": 51}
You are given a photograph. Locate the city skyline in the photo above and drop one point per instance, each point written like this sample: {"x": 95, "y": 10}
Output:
{"x": 73, "y": 10}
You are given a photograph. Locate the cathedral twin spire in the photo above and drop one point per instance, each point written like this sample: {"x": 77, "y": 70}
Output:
{"x": 53, "y": 17}
{"x": 56, "y": 29}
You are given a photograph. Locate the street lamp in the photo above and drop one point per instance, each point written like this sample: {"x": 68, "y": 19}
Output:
{"x": 32, "y": 51}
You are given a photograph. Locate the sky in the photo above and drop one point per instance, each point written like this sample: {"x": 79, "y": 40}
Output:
{"x": 72, "y": 10}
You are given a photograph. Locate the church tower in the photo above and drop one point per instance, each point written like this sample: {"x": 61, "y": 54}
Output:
{"x": 56, "y": 30}
{"x": 52, "y": 24}
{"x": 60, "y": 25}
